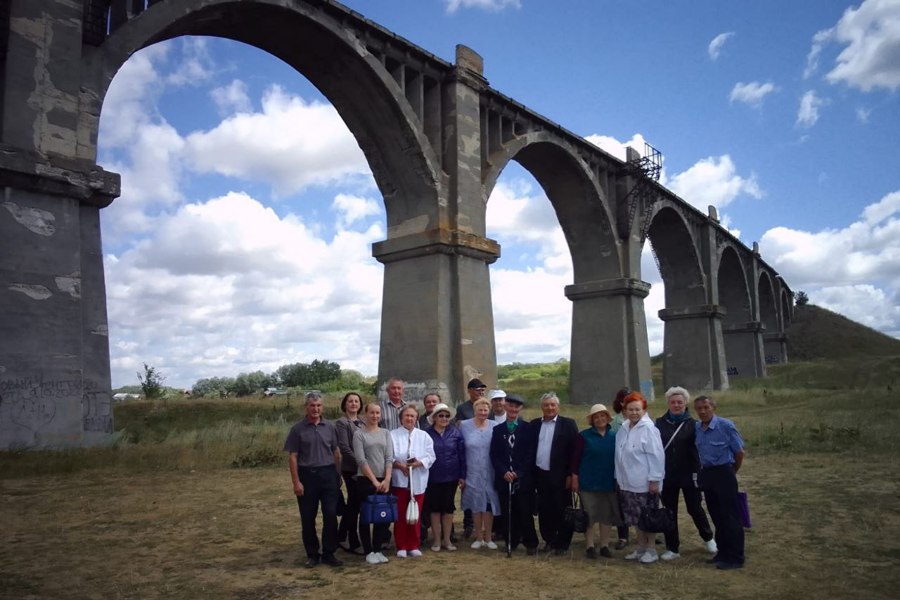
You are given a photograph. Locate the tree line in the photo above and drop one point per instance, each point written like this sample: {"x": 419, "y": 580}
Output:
{"x": 324, "y": 375}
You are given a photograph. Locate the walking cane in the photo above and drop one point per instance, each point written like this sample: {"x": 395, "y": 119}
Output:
{"x": 509, "y": 520}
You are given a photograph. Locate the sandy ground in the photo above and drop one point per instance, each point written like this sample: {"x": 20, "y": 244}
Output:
{"x": 824, "y": 525}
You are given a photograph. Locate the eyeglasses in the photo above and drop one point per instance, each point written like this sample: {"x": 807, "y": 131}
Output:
{"x": 442, "y": 416}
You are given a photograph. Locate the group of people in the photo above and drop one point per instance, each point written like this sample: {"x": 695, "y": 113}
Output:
{"x": 509, "y": 469}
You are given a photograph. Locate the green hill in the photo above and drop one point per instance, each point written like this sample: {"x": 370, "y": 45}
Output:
{"x": 818, "y": 333}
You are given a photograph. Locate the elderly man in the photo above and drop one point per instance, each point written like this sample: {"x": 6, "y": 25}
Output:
{"x": 475, "y": 389}
{"x": 498, "y": 411}
{"x": 721, "y": 452}
{"x": 676, "y": 430}
{"x": 552, "y": 441}
{"x": 391, "y": 408}
{"x": 513, "y": 479}
{"x": 430, "y": 400}
{"x": 315, "y": 464}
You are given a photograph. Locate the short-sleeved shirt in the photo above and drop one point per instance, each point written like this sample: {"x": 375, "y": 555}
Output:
{"x": 314, "y": 444}
{"x": 390, "y": 414}
{"x": 718, "y": 444}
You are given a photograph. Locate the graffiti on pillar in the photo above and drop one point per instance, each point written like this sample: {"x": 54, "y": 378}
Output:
{"x": 733, "y": 372}
{"x": 773, "y": 359}
{"x": 95, "y": 409}
{"x": 30, "y": 402}
{"x": 414, "y": 391}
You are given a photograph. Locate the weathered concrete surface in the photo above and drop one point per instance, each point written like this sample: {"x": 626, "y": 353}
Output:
{"x": 436, "y": 137}
{"x": 54, "y": 353}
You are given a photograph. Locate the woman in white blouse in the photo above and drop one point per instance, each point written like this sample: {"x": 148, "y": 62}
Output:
{"x": 413, "y": 456}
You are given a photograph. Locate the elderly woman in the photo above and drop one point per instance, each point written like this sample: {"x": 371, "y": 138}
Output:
{"x": 346, "y": 426}
{"x": 374, "y": 453}
{"x": 413, "y": 456}
{"x": 447, "y": 472}
{"x": 479, "y": 494}
{"x": 640, "y": 468}
{"x": 676, "y": 428}
{"x": 594, "y": 465}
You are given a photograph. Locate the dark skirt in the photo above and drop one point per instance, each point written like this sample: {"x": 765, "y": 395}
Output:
{"x": 439, "y": 497}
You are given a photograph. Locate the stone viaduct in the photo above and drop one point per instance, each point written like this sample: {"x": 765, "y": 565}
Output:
{"x": 436, "y": 137}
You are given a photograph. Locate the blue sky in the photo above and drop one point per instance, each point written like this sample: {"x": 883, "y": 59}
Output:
{"x": 244, "y": 195}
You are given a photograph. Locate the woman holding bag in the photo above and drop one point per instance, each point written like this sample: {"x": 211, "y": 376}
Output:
{"x": 374, "y": 454}
{"x": 640, "y": 469}
{"x": 413, "y": 456}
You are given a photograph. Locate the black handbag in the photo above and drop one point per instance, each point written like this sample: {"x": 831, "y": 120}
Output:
{"x": 656, "y": 519}
{"x": 575, "y": 517}
{"x": 378, "y": 508}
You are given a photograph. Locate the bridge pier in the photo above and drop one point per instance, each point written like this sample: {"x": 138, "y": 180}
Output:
{"x": 54, "y": 347}
{"x": 436, "y": 311}
{"x": 744, "y": 349}
{"x": 609, "y": 340}
{"x": 693, "y": 348}
{"x": 775, "y": 345}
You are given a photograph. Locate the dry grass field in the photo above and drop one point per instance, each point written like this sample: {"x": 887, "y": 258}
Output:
{"x": 169, "y": 516}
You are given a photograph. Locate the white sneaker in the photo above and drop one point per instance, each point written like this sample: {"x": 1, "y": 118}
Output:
{"x": 635, "y": 555}
{"x": 491, "y": 545}
{"x": 401, "y": 553}
{"x": 372, "y": 558}
{"x": 417, "y": 552}
{"x": 381, "y": 557}
{"x": 477, "y": 544}
{"x": 711, "y": 546}
{"x": 669, "y": 555}
{"x": 649, "y": 556}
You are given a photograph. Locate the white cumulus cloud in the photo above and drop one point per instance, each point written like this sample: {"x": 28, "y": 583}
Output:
{"x": 870, "y": 37}
{"x": 808, "y": 113}
{"x": 232, "y": 98}
{"x": 715, "y": 46}
{"x": 713, "y": 181}
{"x": 488, "y": 5}
{"x": 838, "y": 267}
{"x": 752, "y": 93}
{"x": 291, "y": 144}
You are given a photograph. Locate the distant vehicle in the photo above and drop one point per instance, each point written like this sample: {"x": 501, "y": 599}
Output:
{"x": 123, "y": 396}
{"x": 274, "y": 391}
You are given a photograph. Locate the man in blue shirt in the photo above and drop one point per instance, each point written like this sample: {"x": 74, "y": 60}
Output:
{"x": 721, "y": 451}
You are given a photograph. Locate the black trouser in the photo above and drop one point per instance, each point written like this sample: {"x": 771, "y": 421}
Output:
{"x": 684, "y": 483}
{"x": 521, "y": 519}
{"x": 320, "y": 485}
{"x": 375, "y": 536}
{"x": 349, "y": 527}
{"x": 552, "y": 499}
{"x": 720, "y": 488}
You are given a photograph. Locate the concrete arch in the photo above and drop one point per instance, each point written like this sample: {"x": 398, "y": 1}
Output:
{"x": 768, "y": 307}
{"x": 580, "y": 204}
{"x": 368, "y": 99}
{"x": 676, "y": 254}
{"x": 787, "y": 309}
{"x": 734, "y": 289}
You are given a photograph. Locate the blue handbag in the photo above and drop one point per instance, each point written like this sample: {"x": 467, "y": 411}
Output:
{"x": 378, "y": 508}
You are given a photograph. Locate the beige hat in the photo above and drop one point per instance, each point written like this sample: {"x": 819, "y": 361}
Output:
{"x": 439, "y": 408}
{"x": 598, "y": 408}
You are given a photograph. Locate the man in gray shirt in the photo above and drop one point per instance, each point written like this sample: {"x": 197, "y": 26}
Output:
{"x": 390, "y": 408}
{"x": 315, "y": 463}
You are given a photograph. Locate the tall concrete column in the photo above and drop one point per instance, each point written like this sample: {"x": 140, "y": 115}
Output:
{"x": 54, "y": 349}
{"x": 694, "y": 354}
{"x": 775, "y": 346}
{"x": 435, "y": 331}
{"x": 744, "y": 345}
{"x": 609, "y": 340}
